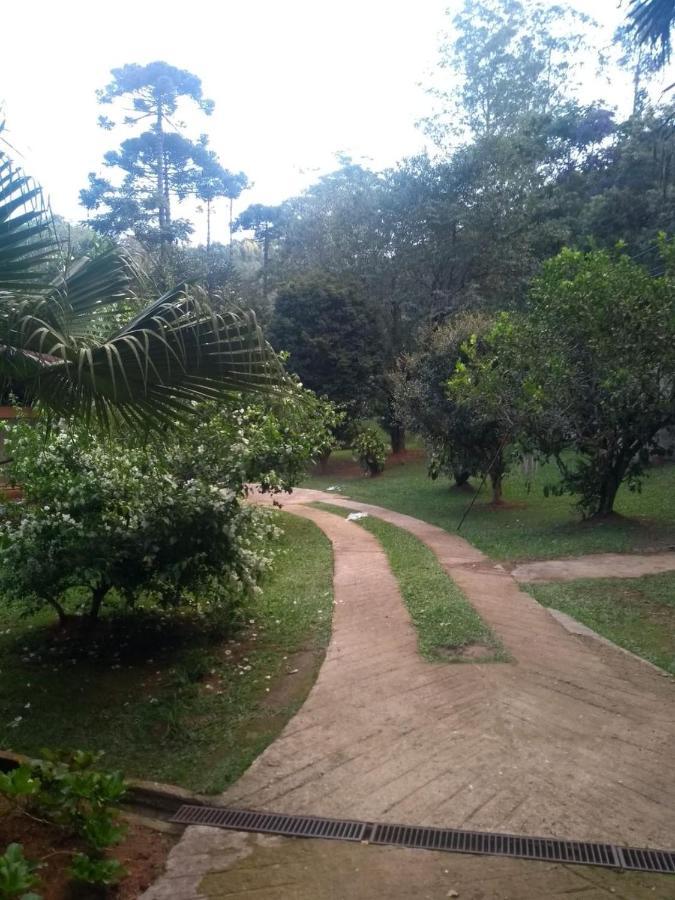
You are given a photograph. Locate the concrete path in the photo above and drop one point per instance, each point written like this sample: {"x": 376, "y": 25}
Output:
{"x": 572, "y": 739}
{"x": 596, "y": 565}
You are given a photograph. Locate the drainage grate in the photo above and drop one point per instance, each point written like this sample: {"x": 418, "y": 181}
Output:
{"x": 446, "y": 839}
{"x": 496, "y": 844}
{"x": 271, "y": 823}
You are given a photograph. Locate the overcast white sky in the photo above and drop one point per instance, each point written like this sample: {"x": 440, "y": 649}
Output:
{"x": 294, "y": 81}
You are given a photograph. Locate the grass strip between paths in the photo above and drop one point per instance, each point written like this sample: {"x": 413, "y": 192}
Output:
{"x": 635, "y": 613}
{"x": 447, "y": 625}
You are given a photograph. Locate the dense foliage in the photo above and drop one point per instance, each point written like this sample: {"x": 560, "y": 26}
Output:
{"x": 461, "y": 438}
{"x": 370, "y": 450}
{"x": 325, "y": 329}
{"x": 161, "y": 521}
{"x": 588, "y": 368}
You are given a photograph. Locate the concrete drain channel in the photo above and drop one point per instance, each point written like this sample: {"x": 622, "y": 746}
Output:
{"x": 450, "y": 840}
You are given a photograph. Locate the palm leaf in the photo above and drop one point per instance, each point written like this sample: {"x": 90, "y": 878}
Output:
{"x": 652, "y": 21}
{"x": 55, "y": 344}
{"x": 27, "y": 241}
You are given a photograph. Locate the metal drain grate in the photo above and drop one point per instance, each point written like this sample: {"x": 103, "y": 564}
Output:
{"x": 447, "y": 839}
{"x": 496, "y": 844}
{"x": 271, "y": 823}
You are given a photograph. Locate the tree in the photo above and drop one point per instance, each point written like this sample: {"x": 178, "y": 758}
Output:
{"x": 331, "y": 342}
{"x": 586, "y": 376}
{"x": 651, "y": 22}
{"x": 214, "y": 182}
{"x": 627, "y": 192}
{"x": 461, "y": 438}
{"x": 75, "y": 336}
{"x": 160, "y": 165}
{"x": 261, "y": 220}
{"x": 509, "y": 59}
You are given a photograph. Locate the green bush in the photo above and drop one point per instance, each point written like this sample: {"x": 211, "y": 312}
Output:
{"x": 162, "y": 520}
{"x": 370, "y": 450}
{"x": 67, "y": 789}
{"x": 17, "y": 875}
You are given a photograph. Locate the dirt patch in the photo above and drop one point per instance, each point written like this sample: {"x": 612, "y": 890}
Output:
{"x": 293, "y": 684}
{"x": 504, "y": 505}
{"x": 143, "y": 854}
{"x": 349, "y": 468}
{"x": 595, "y": 565}
{"x": 476, "y": 651}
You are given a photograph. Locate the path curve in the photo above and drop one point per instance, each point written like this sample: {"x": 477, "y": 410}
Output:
{"x": 572, "y": 739}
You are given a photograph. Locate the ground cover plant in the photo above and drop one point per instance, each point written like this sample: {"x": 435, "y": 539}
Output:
{"x": 181, "y": 697}
{"x": 529, "y": 525}
{"x": 68, "y": 790}
{"x": 635, "y": 613}
{"x": 448, "y": 627}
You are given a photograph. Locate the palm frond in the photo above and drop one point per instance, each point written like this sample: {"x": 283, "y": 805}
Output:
{"x": 652, "y": 21}
{"x": 58, "y": 347}
{"x": 27, "y": 240}
{"x": 177, "y": 352}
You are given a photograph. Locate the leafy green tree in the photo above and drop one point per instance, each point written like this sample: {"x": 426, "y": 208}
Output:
{"x": 75, "y": 337}
{"x": 461, "y": 438}
{"x": 214, "y": 182}
{"x": 627, "y": 192}
{"x": 586, "y": 376}
{"x": 331, "y": 341}
{"x": 262, "y": 221}
{"x": 509, "y": 59}
{"x": 158, "y": 166}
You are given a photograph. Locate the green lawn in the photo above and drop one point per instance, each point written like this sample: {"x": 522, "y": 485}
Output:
{"x": 168, "y": 701}
{"x": 534, "y": 526}
{"x": 636, "y": 613}
{"x": 447, "y": 625}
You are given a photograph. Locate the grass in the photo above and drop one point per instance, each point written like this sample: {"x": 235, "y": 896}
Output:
{"x": 446, "y": 622}
{"x": 531, "y": 526}
{"x": 164, "y": 699}
{"x": 635, "y": 613}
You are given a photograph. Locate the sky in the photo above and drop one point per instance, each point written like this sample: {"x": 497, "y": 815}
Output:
{"x": 294, "y": 82}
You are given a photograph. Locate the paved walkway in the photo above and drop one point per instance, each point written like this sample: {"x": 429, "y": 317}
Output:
{"x": 595, "y": 565}
{"x": 572, "y": 739}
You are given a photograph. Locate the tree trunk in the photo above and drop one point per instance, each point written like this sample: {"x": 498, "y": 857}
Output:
{"x": 461, "y": 478}
{"x": 608, "y": 492}
{"x": 97, "y": 597}
{"x": 266, "y": 256}
{"x": 231, "y": 224}
{"x": 161, "y": 212}
{"x": 60, "y": 611}
{"x": 397, "y": 437}
{"x": 496, "y": 479}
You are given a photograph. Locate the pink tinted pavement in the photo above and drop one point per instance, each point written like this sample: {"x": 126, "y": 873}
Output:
{"x": 570, "y": 739}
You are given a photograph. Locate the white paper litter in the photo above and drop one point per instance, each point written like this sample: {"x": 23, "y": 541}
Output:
{"x": 354, "y": 517}
{"x": 333, "y": 487}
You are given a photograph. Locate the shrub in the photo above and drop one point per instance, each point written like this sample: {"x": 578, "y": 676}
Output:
{"x": 161, "y": 521}
{"x": 67, "y": 789}
{"x": 370, "y": 450}
{"x": 17, "y": 875}
{"x": 100, "y": 515}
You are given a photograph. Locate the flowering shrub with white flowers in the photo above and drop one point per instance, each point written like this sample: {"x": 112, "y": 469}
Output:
{"x": 160, "y": 522}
